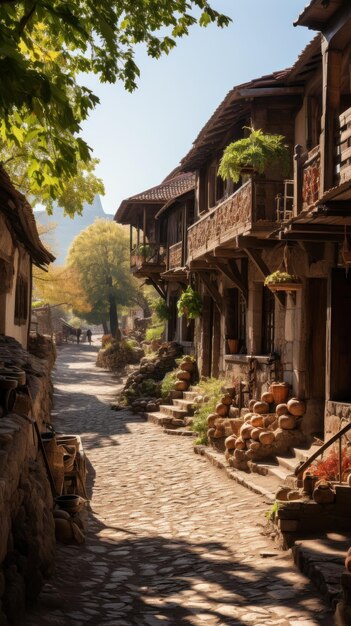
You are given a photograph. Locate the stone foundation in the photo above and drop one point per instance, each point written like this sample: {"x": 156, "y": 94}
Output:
{"x": 27, "y": 540}
{"x": 337, "y": 414}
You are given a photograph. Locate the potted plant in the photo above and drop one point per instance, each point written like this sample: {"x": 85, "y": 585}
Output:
{"x": 254, "y": 153}
{"x": 283, "y": 281}
{"x": 162, "y": 310}
{"x": 189, "y": 304}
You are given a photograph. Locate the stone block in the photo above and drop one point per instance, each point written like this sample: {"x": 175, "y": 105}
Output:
{"x": 343, "y": 495}
{"x": 288, "y": 525}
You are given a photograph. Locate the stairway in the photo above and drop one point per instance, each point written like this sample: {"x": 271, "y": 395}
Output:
{"x": 282, "y": 468}
{"x": 172, "y": 417}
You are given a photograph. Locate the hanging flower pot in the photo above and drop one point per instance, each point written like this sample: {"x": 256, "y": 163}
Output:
{"x": 189, "y": 304}
{"x": 283, "y": 281}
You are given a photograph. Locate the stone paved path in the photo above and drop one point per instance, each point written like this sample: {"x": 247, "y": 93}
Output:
{"x": 171, "y": 540}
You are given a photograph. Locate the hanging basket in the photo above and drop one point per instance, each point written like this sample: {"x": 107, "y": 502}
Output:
{"x": 285, "y": 286}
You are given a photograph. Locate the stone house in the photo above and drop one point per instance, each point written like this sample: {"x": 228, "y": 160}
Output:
{"x": 20, "y": 248}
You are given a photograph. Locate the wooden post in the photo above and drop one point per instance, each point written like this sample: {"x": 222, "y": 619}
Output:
{"x": 144, "y": 226}
{"x": 298, "y": 179}
{"x": 331, "y": 63}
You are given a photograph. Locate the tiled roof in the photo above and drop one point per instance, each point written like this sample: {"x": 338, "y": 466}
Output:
{"x": 211, "y": 135}
{"x": 20, "y": 216}
{"x": 168, "y": 190}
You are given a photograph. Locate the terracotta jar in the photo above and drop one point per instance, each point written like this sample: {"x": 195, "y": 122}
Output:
{"x": 280, "y": 392}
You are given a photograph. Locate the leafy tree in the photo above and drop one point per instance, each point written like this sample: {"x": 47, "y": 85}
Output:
{"x": 46, "y": 44}
{"x": 100, "y": 257}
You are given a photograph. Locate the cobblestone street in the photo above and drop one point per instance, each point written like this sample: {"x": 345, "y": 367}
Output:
{"x": 171, "y": 540}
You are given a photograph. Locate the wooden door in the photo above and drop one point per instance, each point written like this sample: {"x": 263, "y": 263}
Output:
{"x": 316, "y": 338}
{"x": 340, "y": 335}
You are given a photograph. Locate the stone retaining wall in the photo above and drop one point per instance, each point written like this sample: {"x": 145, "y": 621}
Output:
{"x": 27, "y": 539}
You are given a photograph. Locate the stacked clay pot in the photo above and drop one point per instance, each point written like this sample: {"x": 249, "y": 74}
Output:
{"x": 184, "y": 374}
{"x": 222, "y": 421}
{"x": 262, "y": 431}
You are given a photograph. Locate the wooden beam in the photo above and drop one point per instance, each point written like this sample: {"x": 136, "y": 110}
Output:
{"x": 231, "y": 271}
{"x": 257, "y": 260}
{"x": 212, "y": 290}
{"x": 254, "y": 242}
{"x": 158, "y": 287}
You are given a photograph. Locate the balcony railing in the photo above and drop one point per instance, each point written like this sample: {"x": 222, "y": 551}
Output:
{"x": 148, "y": 257}
{"x": 175, "y": 256}
{"x": 311, "y": 178}
{"x": 250, "y": 208}
{"x": 343, "y": 149}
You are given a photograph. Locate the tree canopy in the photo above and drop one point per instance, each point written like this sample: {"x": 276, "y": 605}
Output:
{"x": 46, "y": 45}
{"x": 99, "y": 256}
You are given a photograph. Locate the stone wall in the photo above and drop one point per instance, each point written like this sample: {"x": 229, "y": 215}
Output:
{"x": 27, "y": 539}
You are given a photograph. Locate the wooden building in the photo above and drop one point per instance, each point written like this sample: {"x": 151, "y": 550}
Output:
{"x": 20, "y": 248}
{"x": 159, "y": 219}
{"x": 235, "y": 235}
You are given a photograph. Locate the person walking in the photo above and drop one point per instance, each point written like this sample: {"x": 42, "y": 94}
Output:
{"x": 79, "y": 332}
{"x": 89, "y": 334}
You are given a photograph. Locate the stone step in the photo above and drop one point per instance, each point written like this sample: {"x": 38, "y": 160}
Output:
{"x": 190, "y": 395}
{"x": 302, "y": 454}
{"x": 166, "y": 421}
{"x": 173, "y": 411}
{"x": 269, "y": 468}
{"x": 186, "y": 405}
{"x": 288, "y": 463}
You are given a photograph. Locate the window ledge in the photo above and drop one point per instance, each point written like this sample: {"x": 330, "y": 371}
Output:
{"x": 245, "y": 358}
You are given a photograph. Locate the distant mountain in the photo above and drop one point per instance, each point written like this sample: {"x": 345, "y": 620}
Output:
{"x": 67, "y": 228}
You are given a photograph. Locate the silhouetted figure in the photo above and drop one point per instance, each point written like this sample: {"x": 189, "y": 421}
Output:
{"x": 79, "y": 332}
{"x": 89, "y": 334}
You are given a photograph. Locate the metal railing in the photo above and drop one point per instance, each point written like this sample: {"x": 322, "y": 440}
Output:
{"x": 301, "y": 468}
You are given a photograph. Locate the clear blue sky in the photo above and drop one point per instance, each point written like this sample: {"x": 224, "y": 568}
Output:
{"x": 140, "y": 137}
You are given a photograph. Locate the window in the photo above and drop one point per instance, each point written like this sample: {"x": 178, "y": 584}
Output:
{"x": 21, "y": 302}
{"x": 268, "y": 308}
{"x": 235, "y": 318}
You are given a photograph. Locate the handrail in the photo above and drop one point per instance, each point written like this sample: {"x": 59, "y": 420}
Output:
{"x": 305, "y": 464}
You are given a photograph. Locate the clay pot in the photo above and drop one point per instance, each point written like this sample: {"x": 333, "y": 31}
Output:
{"x": 280, "y": 392}
{"x": 222, "y": 409}
{"x": 233, "y": 345}
{"x": 287, "y": 422}
{"x": 255, "y": 433}
{"x": 252, "y": 404}
{"x": 181, "y": 385}
{"x": 245, "y": 431}
{"x": 70, "y": 503}
{"x": 240, "y": 444}
{"x": 227, "y": 399}
{"x": 323, "y": 492}
{"x": 261, "y": 407}
{"x": 256, "y": 421}
{"x": 296, "y": 407}
{"x": 281, "y": 409}
{"x": 211, "y": 420}
{"x": 267, "y": 397}
{"x": 210, "y": 433}
{"x": 183, "y": 375}
{"x": 187, "y": 366}
{"x": 266, "y": 437}
{"x": 230, "y": 442}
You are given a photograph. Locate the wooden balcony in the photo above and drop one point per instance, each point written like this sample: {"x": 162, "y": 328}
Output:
{"x": 251, "y": 210}
{"x": 311, "y": 173}
{"x": 175, "y": 256}
{"x": 148, "y": 259}
{"x": 343, "y": 167}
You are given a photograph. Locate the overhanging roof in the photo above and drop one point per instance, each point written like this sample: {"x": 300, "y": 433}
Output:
{"x": 318, "y": 13}
{"x": 19, "y": 215}
{"x": 168, "y": 190}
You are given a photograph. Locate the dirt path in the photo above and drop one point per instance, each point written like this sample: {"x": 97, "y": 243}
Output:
{"x": 171, "y": 540}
